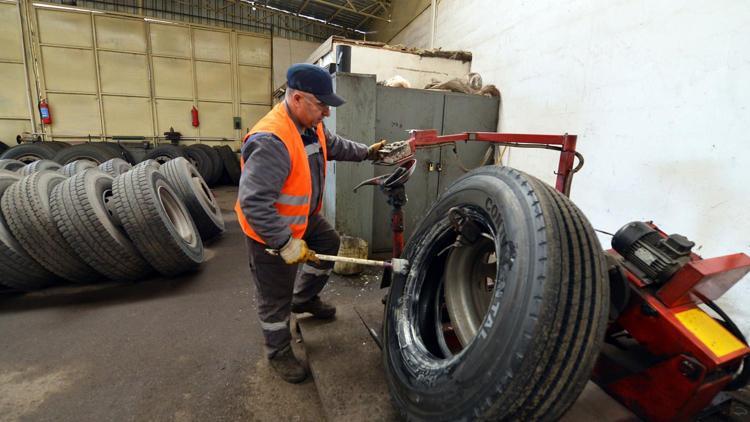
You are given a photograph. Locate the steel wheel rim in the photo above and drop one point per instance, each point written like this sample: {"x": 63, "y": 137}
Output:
{"x": 470, "y": 276}
{"x": 176, "y": 215}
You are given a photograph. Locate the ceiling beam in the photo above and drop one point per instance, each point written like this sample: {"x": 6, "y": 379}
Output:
{"x": 350, "y": 9}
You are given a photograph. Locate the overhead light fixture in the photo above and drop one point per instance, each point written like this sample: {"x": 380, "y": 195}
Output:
{"x": 55, "y": 6}
{"x": 158, "y": 21}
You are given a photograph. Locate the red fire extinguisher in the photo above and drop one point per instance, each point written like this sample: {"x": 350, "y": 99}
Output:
{"x": 44, "y": 112}
{"x": 194, "y": 113}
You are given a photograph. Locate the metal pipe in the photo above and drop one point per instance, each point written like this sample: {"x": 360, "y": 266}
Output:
{"x": 434, "y": 24}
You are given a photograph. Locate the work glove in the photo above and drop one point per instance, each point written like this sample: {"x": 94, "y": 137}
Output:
{"x": 372, "y": 151}
{"x": 295, "y": 251}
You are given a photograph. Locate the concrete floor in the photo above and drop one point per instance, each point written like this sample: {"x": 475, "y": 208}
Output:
{"x": 182, "y": 349}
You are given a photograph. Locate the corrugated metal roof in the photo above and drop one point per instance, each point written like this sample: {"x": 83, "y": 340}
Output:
{"x": 350, "y": 14}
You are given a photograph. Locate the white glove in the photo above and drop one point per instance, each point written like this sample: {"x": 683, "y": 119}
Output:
{"x": 295, "y": 251}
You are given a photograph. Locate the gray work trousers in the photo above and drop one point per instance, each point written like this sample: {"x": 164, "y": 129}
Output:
{"x": 277, "y": 285}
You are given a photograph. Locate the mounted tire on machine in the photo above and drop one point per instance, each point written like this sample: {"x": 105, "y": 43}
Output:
{"x": 503, "y": 322}
{"x": 157, "y": 221}
{"x": 196, "y": 195}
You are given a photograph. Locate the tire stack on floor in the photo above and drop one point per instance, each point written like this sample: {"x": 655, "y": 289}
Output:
{"x": 217, "y": 165}
{"x": 84, "y": 224}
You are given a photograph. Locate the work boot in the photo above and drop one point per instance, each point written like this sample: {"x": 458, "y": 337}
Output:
{"x": 316, "y": 307}
{"x": 287, "y": 366}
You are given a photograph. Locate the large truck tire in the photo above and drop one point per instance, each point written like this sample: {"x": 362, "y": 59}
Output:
{"x": 198, "y": 198}
{"x": 216, "y": 163}
{"x": 505, "y": 322}
{"x": 164, "y": 153}
{"x": 80, "y": 209}
{"x": 120, "y": 151}
{"x": 26, "y": 208}
{"x": 92, "y": 151}
{"x": 31, "y": 152}
{"x": 76, "y": 167}
{"x": 115, "y": 167}
{"x": 231, "y": 164}
{"x": 38, "y": 165}
{"x": 18, "y": 269}
{"x": 200, "y": 159}
{"x": 11, "y": 164}
{"x": 157, "y": 221}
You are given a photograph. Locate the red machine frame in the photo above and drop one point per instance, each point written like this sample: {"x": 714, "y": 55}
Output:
{"x": 567, "y": 144}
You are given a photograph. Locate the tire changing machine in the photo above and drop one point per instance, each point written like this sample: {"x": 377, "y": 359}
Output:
{"x": 664, "y": 357}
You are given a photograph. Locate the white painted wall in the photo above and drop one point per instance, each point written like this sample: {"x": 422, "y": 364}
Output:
{"x": 287, "y": 52}
{"x": 385, "y": 64}
{"x": 658, "y": 92}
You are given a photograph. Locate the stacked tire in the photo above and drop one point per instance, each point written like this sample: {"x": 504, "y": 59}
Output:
{"x": 216, "y": 165}
{"x": 83, "y": 224}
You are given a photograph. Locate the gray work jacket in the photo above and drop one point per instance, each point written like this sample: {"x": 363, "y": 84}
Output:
{"x": 267, "y": 166}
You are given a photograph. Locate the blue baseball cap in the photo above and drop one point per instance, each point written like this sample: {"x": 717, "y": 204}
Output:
{"x": 315, "y": 80}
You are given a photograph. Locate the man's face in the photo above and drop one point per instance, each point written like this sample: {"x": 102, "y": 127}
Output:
{"x": 308, "y": 110}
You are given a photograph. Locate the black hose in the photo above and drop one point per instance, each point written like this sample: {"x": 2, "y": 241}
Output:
{"x": 742, "y": 378}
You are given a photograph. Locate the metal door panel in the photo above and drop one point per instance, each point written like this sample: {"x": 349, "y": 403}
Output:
{"x": 250, "y": 115}
{"x": 254, "y": 50}
{"x": 170, "y": 40}
{"x": 123, "y": 73}
{"x": 214, "y": 81}
{"x": 173, "y": 78}
{"x": 10, "y": 33}
{"x": 127, "y": 115}
{"x": 75, "y": 114}
{"x": 175, "y": 114}
{"x": 69, "y": 69}
{"x": 13, "y": 97}
{"x": 465, "y": 113}
{"x": 120, "y": 34}
{"x": 64, "y": 28}
{"x": 11, "y": 127}
{"x": 255, "y": 84}
{"x": 398, "y": 110}
{"x": 211, "y": 45}
{"x": 218, "y": 120}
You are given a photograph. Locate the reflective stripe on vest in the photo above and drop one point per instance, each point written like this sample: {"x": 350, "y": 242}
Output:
{"x": 293, "y": 203}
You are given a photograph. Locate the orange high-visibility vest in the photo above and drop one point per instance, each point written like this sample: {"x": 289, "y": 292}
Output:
{"x": 293, "y": 203}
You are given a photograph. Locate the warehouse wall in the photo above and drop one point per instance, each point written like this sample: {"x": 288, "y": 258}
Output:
{"x": 287, "y": 52}
{"x": 657, "y": 92}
